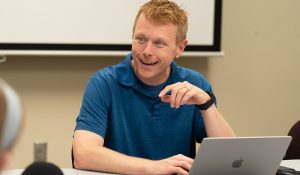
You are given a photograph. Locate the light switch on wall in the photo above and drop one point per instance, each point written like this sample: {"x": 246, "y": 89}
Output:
{"x": 40, "y": 151}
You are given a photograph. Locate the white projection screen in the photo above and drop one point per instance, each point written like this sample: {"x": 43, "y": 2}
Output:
{"x": 95, "y": 25}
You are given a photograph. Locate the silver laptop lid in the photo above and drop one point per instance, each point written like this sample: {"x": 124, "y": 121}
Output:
{"x": 240, "y": 155}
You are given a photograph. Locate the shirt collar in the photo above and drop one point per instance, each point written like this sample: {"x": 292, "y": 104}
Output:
{"x": 124, "y": 71}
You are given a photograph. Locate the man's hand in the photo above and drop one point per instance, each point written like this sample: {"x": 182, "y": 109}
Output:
{"x": 178, "y": 164}
{"x": 183, "y": 93}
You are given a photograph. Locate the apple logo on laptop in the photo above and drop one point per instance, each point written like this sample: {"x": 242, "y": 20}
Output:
{"x": 237, "y": 163}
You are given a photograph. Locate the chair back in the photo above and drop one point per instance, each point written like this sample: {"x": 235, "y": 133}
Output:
{"x": 72, "y": 158}
{"x": 293, "y": 151}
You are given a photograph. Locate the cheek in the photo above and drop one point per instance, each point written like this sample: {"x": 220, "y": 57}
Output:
{"x": 136, "y": 48}
{"x": 135, "y": 53}
{"x": 166, "y": 56}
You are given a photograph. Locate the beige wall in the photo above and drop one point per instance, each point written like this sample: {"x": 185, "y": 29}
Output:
{"x": 256, "y": 81}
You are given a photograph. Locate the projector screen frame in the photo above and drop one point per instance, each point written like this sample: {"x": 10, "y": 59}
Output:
{"x": 110, "y": 49}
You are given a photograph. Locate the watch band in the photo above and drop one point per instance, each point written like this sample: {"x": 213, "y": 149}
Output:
{"x": 206, "y": 105}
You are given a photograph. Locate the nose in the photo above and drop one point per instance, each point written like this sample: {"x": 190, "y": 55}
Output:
{"x": 148, "y": 50}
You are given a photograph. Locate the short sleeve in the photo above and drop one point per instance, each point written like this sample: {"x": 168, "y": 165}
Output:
{"x": 95, "y": 107}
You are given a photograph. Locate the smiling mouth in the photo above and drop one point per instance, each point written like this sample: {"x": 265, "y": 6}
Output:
{"x": 148, "y": 63}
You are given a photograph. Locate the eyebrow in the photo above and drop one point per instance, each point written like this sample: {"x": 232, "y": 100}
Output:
{"x": 155, "y": 39}
{"x": 139, "y": 34}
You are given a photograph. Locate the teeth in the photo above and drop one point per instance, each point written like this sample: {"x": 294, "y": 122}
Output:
{"x": 148, "y": 63}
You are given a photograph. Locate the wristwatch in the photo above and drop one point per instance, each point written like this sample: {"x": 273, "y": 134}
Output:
{"x": 206, "y": 105}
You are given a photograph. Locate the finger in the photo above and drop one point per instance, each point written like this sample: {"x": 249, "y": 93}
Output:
{"x": 178, "y": 170}
{"x": 183, "y": 164}
{"x": 187, "y": 96}
{"x": 174, "y": 93}
{"x": 167, "y": 89}
{"x": 173, "y": 88}
{"x": 174, "y": 166}
{"x": 183, "y": 157}
{"x": 181, "y": 93}
{"x": 165, "y": 98}
{"x": 186, "y": 87}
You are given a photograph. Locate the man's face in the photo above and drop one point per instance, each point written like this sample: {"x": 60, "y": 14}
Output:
{"x": 154, "y": 48}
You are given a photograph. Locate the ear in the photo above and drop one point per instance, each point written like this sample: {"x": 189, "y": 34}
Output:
{"x": 181, "y": 48}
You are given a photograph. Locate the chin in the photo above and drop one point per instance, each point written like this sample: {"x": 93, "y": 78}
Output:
{"x": 146, "y": 75}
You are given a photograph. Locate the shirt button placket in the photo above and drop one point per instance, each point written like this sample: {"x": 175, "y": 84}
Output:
{"x": 155, "y": 111}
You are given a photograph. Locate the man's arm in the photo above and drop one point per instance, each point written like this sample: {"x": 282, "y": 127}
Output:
{"x": 215, "y": 124}
{"x": 90, "y": 154}
{"x": 186, "y": 93}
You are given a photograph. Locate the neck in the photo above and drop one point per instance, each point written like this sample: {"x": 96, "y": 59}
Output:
{"x": 160, "y": 79}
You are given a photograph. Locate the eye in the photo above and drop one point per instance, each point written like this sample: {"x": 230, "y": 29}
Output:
{"x": 159, "y": 44}
{"x": 140, "y": 39}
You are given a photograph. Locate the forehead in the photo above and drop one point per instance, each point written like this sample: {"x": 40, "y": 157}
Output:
{"x": 155, "y": 28}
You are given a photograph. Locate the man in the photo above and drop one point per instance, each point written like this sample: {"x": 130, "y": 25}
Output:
{"x": 144, "y": 115}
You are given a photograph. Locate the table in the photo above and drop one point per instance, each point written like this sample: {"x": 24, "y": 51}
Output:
{"x": 295, "y": 164}
{"x": 66, "y": 171}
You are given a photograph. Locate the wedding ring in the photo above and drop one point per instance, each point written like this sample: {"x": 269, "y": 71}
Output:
{"x": 187, "y": 89}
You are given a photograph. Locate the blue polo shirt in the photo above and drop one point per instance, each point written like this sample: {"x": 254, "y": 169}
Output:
{"x": 133, "y": 120}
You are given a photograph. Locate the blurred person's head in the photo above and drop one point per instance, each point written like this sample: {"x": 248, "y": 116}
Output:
{"x": 42, "y": 168}
{"x": 10, "y": 121}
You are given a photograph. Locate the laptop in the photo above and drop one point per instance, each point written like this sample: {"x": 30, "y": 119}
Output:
{"x": 240, "y": 155}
